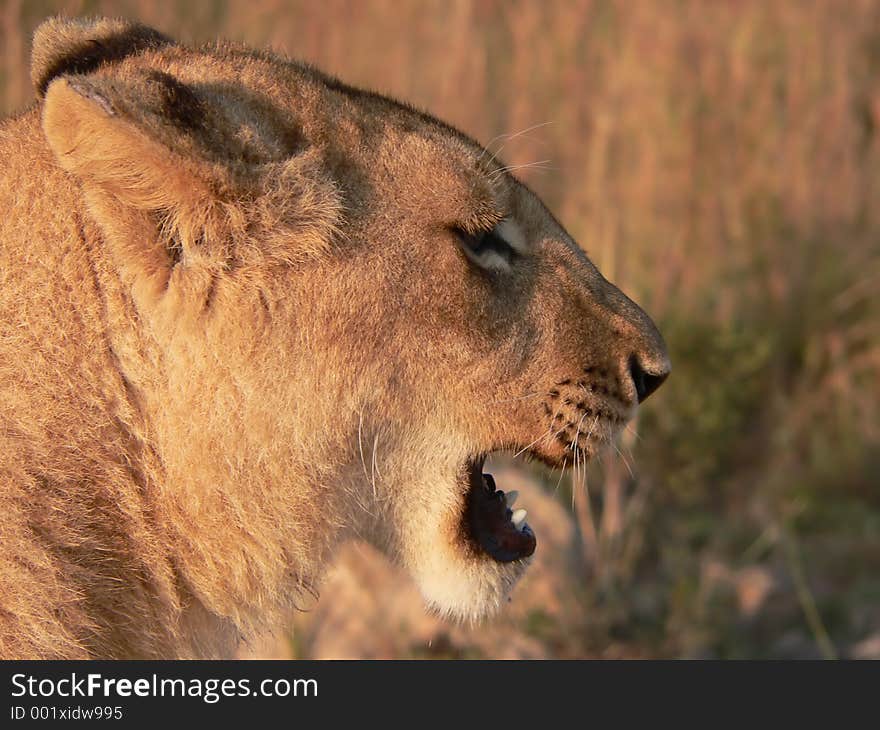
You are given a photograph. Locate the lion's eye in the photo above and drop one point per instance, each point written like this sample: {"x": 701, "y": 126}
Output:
{"x": 487, "y": 249}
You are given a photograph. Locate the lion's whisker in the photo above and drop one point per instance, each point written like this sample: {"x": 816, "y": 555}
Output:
{"x": 539, "y": 164}
{"x": 507, "y": 138}
{"x": 374, "y": 468}
{"x": 595, "y": 423}
{"x": 624, "y": 460}
{"x": 629, "y": 428}
{"x": 564, "y": 462}
{"x": 360, "y": 443}
{"x": 526, "y": 448}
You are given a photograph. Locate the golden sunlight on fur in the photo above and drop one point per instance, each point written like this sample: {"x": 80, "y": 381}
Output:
{"x": 248, "y": 313}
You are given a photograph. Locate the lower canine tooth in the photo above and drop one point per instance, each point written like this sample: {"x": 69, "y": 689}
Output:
{"x": 510, "y": 497}
{"x": 518, "y": 518}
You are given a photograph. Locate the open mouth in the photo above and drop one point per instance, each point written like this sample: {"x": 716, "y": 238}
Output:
{"x": 491, "y": 520}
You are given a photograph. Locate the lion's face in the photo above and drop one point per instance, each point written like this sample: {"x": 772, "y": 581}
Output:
{"x": 480, "y": 326}
{"x": 376, "y": 303}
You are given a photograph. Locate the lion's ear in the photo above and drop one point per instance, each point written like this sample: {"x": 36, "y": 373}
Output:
{"x": 130, "y": 139}
{"x": 145, "y": 150}
{"x": 124, "y": 133}
{"x": 79, "y": 46}
{"x": 173, "y": 169}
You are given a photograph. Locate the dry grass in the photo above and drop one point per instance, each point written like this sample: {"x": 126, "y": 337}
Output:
{"x": 719, "y": 160}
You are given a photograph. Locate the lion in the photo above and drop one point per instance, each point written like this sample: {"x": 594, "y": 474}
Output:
{"x": 249, "y": 312}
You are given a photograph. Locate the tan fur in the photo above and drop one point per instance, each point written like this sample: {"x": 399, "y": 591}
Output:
{"x": 236, "y": 329}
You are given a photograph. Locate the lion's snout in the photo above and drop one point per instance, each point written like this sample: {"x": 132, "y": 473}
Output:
{"x": 634, "y": 348}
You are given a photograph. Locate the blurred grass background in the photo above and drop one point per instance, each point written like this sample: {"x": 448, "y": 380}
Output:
{"x": 720, "y": 161}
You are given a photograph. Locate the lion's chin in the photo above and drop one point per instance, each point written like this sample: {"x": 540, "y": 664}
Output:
{"x": 468, "y": 545}
{"x": 467, "y": 548}
{"x": 466, "y": 590}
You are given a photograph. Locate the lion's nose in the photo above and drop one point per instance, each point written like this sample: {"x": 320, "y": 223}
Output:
{"x": 647, "y": 381}
{"x": 638, "y": 347}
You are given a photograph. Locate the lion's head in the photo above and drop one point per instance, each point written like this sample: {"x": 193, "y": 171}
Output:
{"x": 330, "y": 308}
